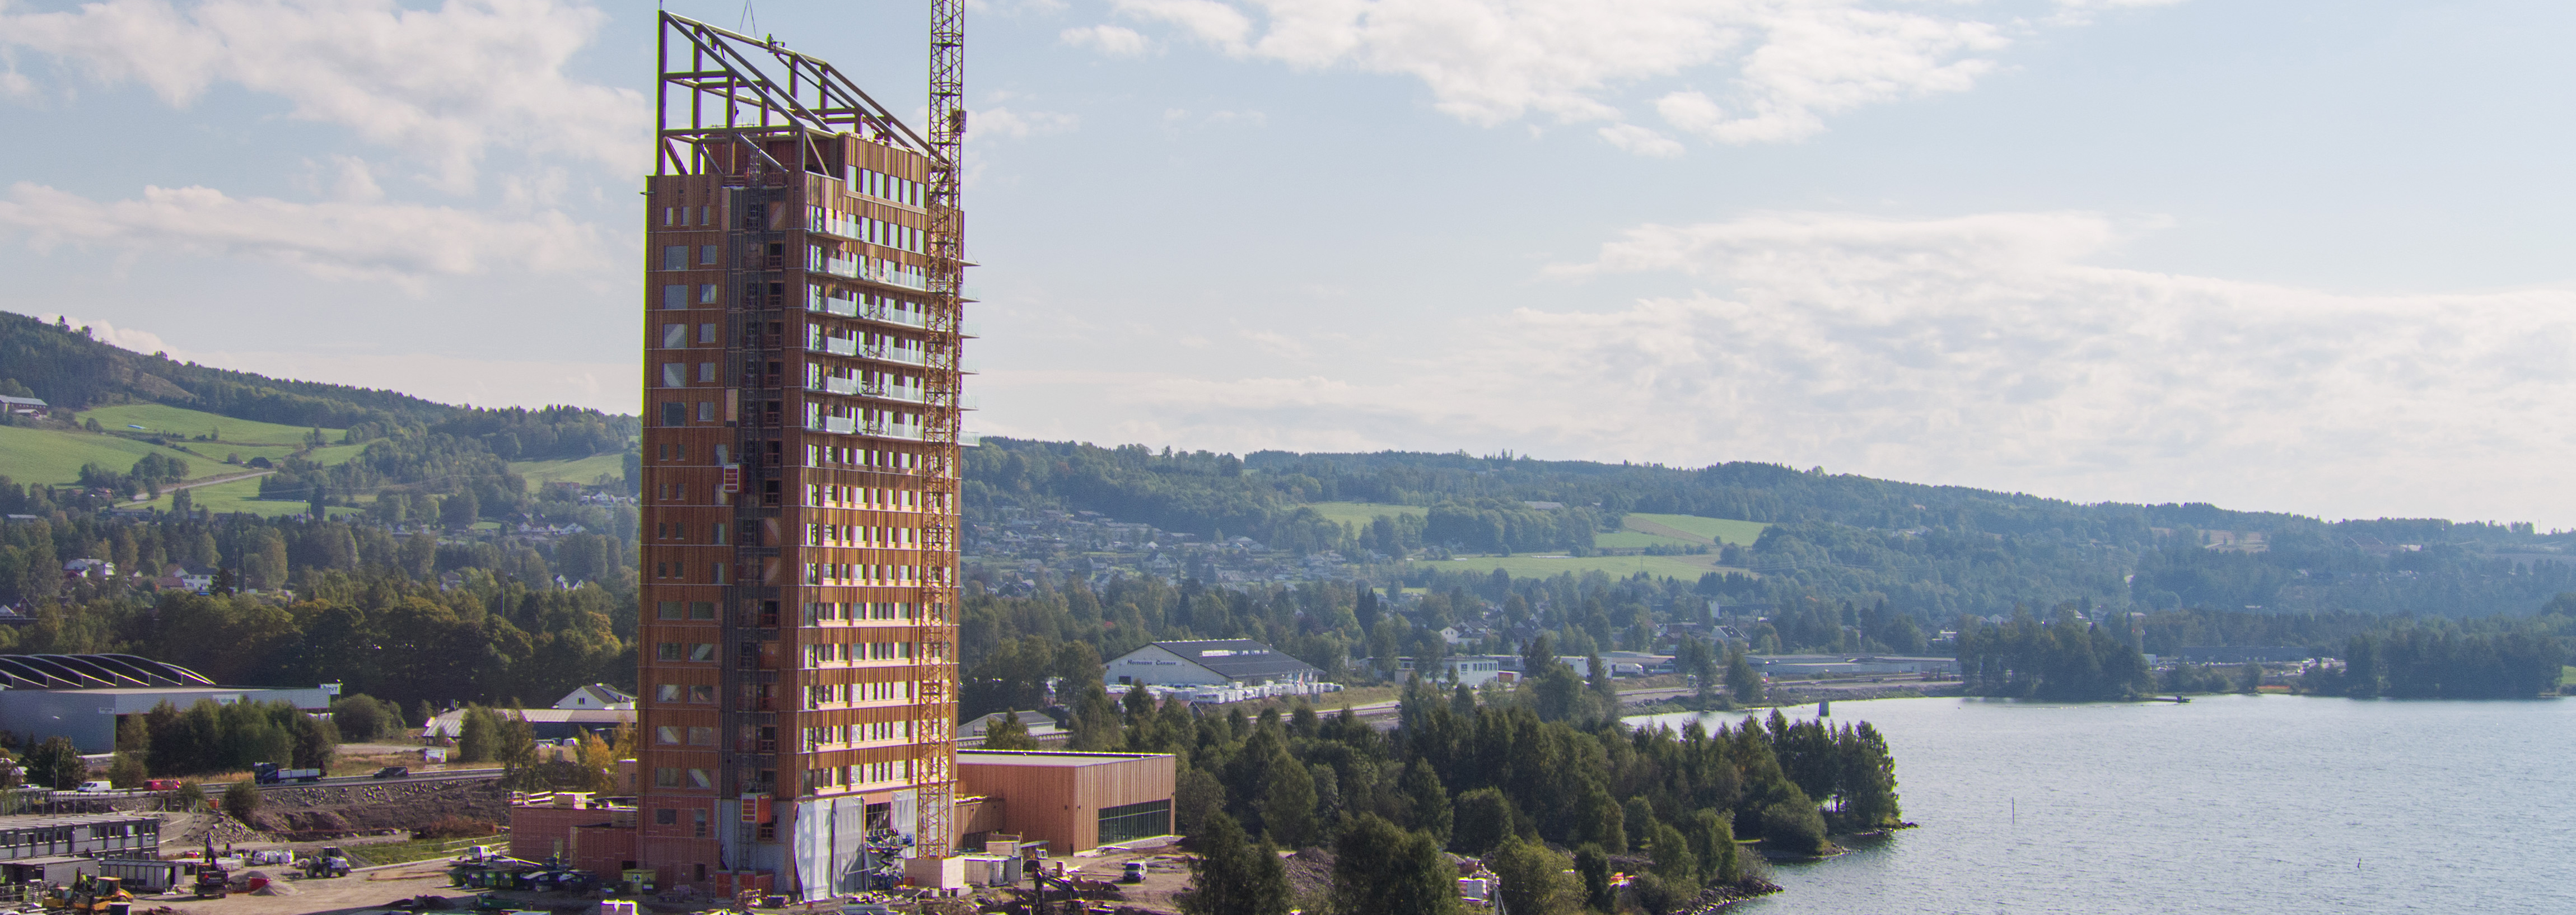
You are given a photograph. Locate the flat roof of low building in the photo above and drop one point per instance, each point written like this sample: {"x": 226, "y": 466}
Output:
{"x": 40, "y": 820}
{"x": 1048, "y": 757}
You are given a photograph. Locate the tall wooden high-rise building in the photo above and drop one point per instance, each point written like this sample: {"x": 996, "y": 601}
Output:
{"x": 801, "y": 344}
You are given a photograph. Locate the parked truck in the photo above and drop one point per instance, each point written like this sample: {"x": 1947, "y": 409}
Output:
{"x": 274, "y": 774}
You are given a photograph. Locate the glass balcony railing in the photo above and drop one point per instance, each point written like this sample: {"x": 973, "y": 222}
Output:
{"x": 891, "y": 430}
{"x": 818, "y": 299}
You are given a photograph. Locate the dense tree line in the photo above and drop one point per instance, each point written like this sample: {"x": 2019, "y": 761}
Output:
{"x": 2068, "y": 659}
{"x": 2438, "y": 660}
{"x": 269, "y": 553}
{"x": 209, "y": 738}
{"x": 1496, "y": 778}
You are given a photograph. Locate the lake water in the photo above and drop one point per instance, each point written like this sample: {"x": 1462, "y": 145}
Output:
{"x": 2239, "y": 804}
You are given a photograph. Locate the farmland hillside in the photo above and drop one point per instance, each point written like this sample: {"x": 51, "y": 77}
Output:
{"x": 313, "y": 442}
{"x": 1932, "y": 551}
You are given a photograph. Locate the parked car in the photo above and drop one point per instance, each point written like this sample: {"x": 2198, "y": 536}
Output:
{"x": 96, "y": 787}
{"x": 161, "y": 784}
{"x": 393, "y": 772}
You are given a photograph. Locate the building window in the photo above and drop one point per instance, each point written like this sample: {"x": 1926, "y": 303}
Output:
{"x": 702, "y": 610}
{"x": 705, "y": 737}
{"x": 707, "y": 294}
{"x": 666, "y": 734}
{"x": 702, "y": 695}
{"x": 702, "y": 651}
{"x": 698, "y": 778}
{"x": 667, "y": 778}
{"x": 668, "y": 610}
{"x": 667, "y": 692}
{"x": 668, "y": 651}
{"x": 706, "y": 332}
{"x": 675, "y": 414}
{"x": 675, "y": 257}
{"x": 706, "y": 373}
{"x": 675, "y": 336}
{"x": 675, "y": 297}
{"x": 675, "y": 374}
{"x": 666, "y": 817}
{"x": 1135, "y": 821}
{"x": 706, "y": 411}
{"x": 706, "y": 254}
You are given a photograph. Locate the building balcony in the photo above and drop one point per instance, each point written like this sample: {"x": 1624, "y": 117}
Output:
{"x": 817, "y": 300}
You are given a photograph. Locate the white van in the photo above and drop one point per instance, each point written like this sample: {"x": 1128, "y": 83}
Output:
{"x": 96, "y": 787}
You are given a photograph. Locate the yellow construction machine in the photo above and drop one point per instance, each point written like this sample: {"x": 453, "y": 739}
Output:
{"x": 87, "y": 894}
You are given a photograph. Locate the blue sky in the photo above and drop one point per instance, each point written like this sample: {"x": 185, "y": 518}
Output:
{"x": 2293, "y": 255}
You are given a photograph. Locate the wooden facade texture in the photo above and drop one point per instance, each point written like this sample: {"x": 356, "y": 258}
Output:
{"x": 1057, "y": 797}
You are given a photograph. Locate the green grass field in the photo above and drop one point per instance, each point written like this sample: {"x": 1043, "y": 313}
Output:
{"x": 578, "y": 470}
{"x": 1697, "y": 529}
{"x": 1633, "y": 539}
{"x": 180, "y": 421}
{"x": 55, "y": 456}
{"x": 1361, "y": 513}
{"x": 1687, "y": 568}
{"x": 242, "y": 496}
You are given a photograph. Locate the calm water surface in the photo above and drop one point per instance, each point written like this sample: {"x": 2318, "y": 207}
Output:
{"x": 2270, "y": 804}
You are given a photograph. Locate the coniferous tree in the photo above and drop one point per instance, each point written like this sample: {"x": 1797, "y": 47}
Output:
{"x": 1533, "y": 879}
{"x": 1381, "y": 869}
{"x": 1233, "y": 877}
{"x": 1288, "y": 805}
{"x": 1743, "y": 684}
{"x": 1593, "y": 867}
{"x": 1483, "y": 819}
{"x": 1008, "y": 733}
{"x": 1712, "y": 839}
{"x": 1430, "y": 811}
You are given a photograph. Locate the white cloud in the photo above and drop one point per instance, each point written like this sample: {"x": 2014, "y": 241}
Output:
{"x": 1020, "y": 125}
{"x": 1643, "y": 141}
{"x": 1789, "y": 62}
{"x": 337, "y": 240}
{"x": 1985, "y": 350}
{"x": 1115, "y": 41}
{"x": 443, "y": 85}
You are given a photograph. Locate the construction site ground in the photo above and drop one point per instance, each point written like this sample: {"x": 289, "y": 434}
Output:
{"x": 1167, "y": 872}
{"x": 362, "y": 891}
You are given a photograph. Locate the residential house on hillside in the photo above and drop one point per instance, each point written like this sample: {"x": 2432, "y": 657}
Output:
{"x": 26, "y": 406}
{"x": 596, "y": 696}
{"x": 178, "y": 578}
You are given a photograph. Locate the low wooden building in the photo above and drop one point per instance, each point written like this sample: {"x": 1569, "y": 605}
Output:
{"x": 1072, "y": 801}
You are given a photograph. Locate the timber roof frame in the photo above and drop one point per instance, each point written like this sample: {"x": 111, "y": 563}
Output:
{"x": 736, "y": 87}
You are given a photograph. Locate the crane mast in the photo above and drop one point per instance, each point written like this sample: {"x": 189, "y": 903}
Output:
{"x": 946, "y": 313}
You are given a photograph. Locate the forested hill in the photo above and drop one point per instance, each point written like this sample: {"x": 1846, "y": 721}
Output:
{"x": 73, "y": 371}
{"x": 1931, "y": 551}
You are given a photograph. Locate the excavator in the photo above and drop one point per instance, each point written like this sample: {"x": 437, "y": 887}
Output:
{"x": 87, "y": 894}
{"x": 212, "y": 881}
